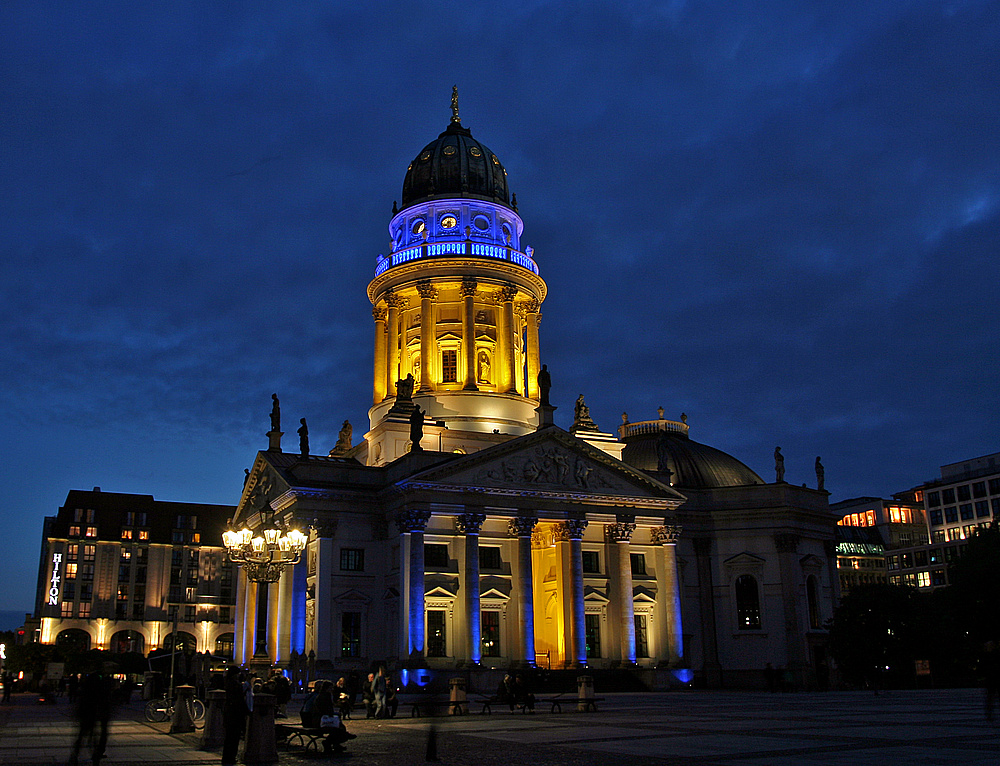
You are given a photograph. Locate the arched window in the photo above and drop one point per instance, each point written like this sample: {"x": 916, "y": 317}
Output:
{"x": 813, "y": 598}
{"x": 127, "y": 641}
{"x": 224, "y": 645}
{"x": 185, "y": 641}
{"x": 747, "y": 603}
{"x": 73, "y": 639}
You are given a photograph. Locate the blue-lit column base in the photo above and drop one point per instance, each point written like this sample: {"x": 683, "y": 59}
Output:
{"x": 413, "y": 523}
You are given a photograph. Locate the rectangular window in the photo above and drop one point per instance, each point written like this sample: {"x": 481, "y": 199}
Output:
{"x": 964, "y": 493}
{"x": 937, "y": 577}
{"x": 352, "y": 560}
{"x": 638, "y": 563}
{"x": 67, "y": 609}
{"x": 140, "y": 574}
{"x": 70, "y": 571}
{"x": 125, "y": 554}
{"x": 86, "y": 571}
{"x": 449, "y": 366}
{"x": 78, "y": 515}
{"x": 73, "y": 550}
{"x": 995, "y": 502}
{"x": 177, "y": 536}
{"x": 192, "y": 577}
{"x": 74, "y": 531}
{"x": 906, "y": 560}
{"x": 641, "y": 641}
{"x": 893, "y": 562}
{"x": 979, "y": 489}
{"x": 948, "y": 496}
{"x": 143, "y": 534}
{"x": 982, "y": 509}
{"x": 435, "y": 557}
{"x": 437, "y": 646}
{"x": 933, "y": 499}
{"x": 592, "y": 630}
{"x": 591, "y": 562}
{"x": 69, "y": 591}
{"x": 89, "y": 552}
{"x": 126, "y": 534}
{"x": 910, "y": 579}
{"x": 225, "y": 614}
{"x": 489, "y": 558}
{"x": 139, "y": 592}
{"x": 350, "y": 634}
{"x": 995, "y": 486}
{"x": 955, "y": 533}
{"x": 189, "y": 612}
{"x": 138, "y": 611}
{"x": 84, "y": 610}
{"x": 123, "y": 572}
{"x": 937, "y": 536}
{"x": 490, "y": 632}
{"x": 923, "y": 579}
{"x": 91, "y": 532}
{"x": 920, "y": 558}
{"x": 937, "y": 517}
{"x": 951, "y": 514}
{"x": 965, "y": 510}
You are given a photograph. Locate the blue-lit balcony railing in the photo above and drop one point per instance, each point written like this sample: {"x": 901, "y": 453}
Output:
{"x": 437, "y": 249}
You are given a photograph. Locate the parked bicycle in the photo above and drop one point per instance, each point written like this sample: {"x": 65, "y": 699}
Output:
{"x": 162, "y": 709}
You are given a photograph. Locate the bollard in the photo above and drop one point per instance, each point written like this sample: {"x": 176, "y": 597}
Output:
{"x": 182, "y": 720}
{"x": 214, "y": 732}
{"x": 458, "y": 701}
{"x": 584, "y": 692}
{"x": 261, "y": 746}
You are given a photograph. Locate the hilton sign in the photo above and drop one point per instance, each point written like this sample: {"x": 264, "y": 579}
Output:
{"x": 54, "y": 581}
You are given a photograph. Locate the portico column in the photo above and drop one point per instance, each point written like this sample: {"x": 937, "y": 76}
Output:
{"x": 621, "y": 533}
{"x": 791, "y": 577}
{"x": 378, "y": 392}
{"x": 521, "y": 529}
{"x": 395, "y": 303}
{"x": 323, "y": 626}
{"x": 668, "y": 594}
{"x": 571, "y": 532}
{"x": 531, "y": 321}
{"x": 411, "y": 524}
{"x": 706, "y": 603}
{"x": 470, "y": 524}
{"x": 428, "y": 344}
{"x": 469, "y": 332}
{"x": 507, "y": 295}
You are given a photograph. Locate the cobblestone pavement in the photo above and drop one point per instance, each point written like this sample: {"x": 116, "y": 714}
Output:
{"x": 945, "y": 727}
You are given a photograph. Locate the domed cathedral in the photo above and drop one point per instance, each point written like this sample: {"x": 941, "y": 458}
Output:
{"x": 467, "y": 530}
{"x": 456, "y": 305}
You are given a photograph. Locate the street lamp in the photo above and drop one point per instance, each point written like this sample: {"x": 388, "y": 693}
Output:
{"x": 263, "y": 554}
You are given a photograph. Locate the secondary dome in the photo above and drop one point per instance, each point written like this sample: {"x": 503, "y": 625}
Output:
{"x": 455, "y": 165}
{"x": 692, "y": 465}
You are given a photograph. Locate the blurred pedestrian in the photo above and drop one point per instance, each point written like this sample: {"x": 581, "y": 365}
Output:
{"x": 93, "y": 712}
{"x": 234, "y": 714}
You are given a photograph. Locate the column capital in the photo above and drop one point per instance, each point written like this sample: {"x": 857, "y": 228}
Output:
{"x": 786, "y": 542}
{"x": 469, "y": 287}
{"x": 507, "y": 293}
{"x": 521, "y": 526}
{"x": 412, "y": 521}
{"x": 378, "y": 313}
{"x": 394, "y": 300}
{"x": 665, "y": 535}
{"x": 570, "y": 529}
{"x": 619, "y": 532}
{"x": 426, "y": 289}
{"x": 532, "y": 306}
{"x": 469, "y": 523}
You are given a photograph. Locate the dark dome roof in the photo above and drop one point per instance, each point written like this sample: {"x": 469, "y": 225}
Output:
{"x": 455, "y": 165}
{"x": 693, "y": 465}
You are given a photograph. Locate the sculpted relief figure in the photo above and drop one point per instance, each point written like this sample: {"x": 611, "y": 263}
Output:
{"x": 484, "y": 367}
{"x": 404, "y": 387}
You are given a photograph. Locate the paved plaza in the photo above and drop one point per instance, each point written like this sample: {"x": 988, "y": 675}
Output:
{"x": 705, "y": 728}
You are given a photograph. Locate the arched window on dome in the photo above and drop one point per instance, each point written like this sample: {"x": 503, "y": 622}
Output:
{"x": 747, "y": 603}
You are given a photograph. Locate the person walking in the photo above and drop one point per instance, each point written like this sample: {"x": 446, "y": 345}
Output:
{"x": 93, "y": 714}
{"x": 234, "y": 714}
{"x": 378, "y": 690}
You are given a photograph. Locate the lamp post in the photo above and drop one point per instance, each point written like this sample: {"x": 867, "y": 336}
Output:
{"x": 263, "y": 553}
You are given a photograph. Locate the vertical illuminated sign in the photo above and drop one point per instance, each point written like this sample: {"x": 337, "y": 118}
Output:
{"x": 54, "y": 581}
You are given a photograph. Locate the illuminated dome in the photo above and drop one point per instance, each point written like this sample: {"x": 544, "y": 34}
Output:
{"x": 455, "y": 165}
{"x": 692, "y": 465}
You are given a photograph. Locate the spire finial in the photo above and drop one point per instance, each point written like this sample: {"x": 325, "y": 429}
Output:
{"x": 454, "y": 104}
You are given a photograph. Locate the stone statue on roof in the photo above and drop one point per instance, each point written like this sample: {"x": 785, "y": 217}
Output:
{"x": 404, "y": 387}
{"x": 343, "y": 440}
{"x": 416, "y": 429}
{"x": 544, "y": 385}
{"x": 303, "y": 438}
{"x": 275, "y": 413}
{"x": 820, "y": 474}
{"x": 779, "y": 465}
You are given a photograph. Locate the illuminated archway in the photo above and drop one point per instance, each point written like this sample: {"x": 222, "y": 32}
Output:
{"x": 73, "y": 639}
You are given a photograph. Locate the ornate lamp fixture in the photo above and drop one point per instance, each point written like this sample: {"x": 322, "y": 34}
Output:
{"x": 263, "y": 554}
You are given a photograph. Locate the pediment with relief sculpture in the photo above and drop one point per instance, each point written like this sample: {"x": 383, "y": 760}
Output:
{"x": 548, "y": 463}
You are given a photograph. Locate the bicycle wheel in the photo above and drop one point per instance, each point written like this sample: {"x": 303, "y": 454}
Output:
{"x": 156, "y": 711}
{"x": 197, "y": 710}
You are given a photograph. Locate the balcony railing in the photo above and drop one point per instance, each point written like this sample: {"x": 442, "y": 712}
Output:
{"x": 438, "y": 249}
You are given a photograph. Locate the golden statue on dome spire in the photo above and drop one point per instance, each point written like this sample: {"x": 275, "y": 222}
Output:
{"x": 454, "y": 104}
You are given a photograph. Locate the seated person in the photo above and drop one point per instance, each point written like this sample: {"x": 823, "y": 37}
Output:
{"x": 391, "y": 698}
{"x": 337, "y": 734}
{"x": 368, "y": 696}
{"x": 522, "y": 695}
{"x": 344, "y": 698}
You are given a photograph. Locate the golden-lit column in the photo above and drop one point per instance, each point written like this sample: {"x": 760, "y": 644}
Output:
{"x": 507, "y": 295}
{"x": 428, "y": 346}
{"x": 378, "y": 388}
{"x": 469, "y": 332}
{"x": 621, "y": 534}
{"x": 669, "y": 632}
{"x": 521, "y": 528}
{"x": 395, "y": 303}
{"x": 531, "y": 318}
{"x": 500, "y": 365}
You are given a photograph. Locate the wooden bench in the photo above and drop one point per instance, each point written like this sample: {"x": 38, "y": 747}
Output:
{"x": 295, "y": 734}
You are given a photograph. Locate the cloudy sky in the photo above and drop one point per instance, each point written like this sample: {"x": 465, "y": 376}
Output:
{"x": 780, "y": 218}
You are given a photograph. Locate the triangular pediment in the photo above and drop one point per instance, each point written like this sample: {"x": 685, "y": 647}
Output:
{"x": 744, "y": 559}
{"x": 263, "y": 484}
{"x": 352, "y": 596}
{"x": 548, "y": 463}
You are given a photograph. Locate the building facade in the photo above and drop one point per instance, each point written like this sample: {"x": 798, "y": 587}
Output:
{"x": 466, "y": 529}
{"x": 118, "y": 568}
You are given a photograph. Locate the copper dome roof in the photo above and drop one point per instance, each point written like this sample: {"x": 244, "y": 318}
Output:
{"x": 693, "y": 465}
{"x": 455, "y": 165}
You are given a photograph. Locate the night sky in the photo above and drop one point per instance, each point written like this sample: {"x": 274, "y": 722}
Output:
{"x": 780, "y": 218}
